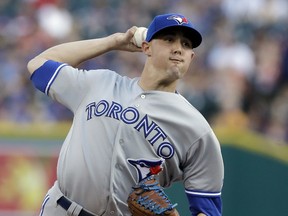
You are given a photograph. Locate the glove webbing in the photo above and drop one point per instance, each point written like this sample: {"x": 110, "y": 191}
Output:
{"x": 149, "y": 203}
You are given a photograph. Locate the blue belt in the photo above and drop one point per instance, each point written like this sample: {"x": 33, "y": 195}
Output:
{"x": 65, "y": 204}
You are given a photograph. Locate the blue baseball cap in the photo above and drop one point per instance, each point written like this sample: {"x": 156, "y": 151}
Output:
{"x": 165, "y": 21}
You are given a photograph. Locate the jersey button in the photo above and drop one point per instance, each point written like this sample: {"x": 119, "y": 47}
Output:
{"x": 118, "y": 166}
{"x": 112, "y": 212}
{"x": 143, "y": 96}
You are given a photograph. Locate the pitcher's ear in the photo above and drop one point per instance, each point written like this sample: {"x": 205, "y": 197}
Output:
{"x": 146, "y": 47}
{"x": 192, "y": 55}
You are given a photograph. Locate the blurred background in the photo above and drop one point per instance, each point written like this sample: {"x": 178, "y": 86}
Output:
{"x": 238, "y": 81}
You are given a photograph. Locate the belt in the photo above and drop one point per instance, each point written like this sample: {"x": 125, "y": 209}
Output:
{"x": 65, "y": 203}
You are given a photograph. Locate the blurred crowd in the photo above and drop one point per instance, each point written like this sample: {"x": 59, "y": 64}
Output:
{"x": 239, "y": 75}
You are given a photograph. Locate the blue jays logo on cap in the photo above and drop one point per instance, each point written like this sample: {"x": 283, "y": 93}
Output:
{"x": 178, "y": 19}
{"x": 165, "y": 21}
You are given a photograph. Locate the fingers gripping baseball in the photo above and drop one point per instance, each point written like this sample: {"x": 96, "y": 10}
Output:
{"x": 124, "y": 41}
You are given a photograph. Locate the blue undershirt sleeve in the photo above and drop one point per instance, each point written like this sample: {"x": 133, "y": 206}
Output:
{"x": 208, "y": 205}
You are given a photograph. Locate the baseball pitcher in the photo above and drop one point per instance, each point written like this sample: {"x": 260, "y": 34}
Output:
{"x": 130, "y": 137}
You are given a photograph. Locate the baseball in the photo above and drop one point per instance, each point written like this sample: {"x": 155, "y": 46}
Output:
{"x": 139, "y": 36}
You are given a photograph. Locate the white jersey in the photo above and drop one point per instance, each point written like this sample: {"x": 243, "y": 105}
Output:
{"x": 118, "y": 130}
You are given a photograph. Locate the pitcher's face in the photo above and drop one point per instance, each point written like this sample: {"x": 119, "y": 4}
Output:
{"x": 171, "y": 52}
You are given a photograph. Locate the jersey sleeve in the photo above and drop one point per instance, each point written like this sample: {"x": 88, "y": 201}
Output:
{"x": 203, "y": 176}
{"x": 44, "y": 76}
{"x": 66, "y": 84}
